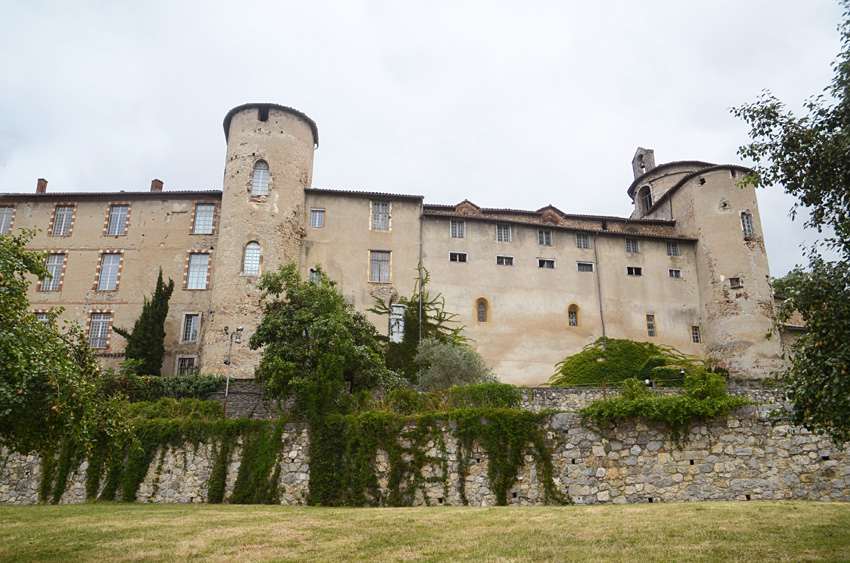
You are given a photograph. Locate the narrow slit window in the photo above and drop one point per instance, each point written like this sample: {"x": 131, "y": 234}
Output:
{"x": 650, "y": 325}
{"x": 260, "y": 185}
{"x": 573, "y": 315}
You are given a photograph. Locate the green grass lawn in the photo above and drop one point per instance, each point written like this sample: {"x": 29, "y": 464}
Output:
{"x": 709, "y": 531}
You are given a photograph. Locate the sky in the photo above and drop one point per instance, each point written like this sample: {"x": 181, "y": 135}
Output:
{"x": 507, "y": 104}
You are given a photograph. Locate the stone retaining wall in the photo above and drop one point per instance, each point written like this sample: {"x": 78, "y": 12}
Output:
{"x": 742, "y": 457}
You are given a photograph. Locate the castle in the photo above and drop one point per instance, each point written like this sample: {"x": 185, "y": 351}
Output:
{"x": 687, "y": 269}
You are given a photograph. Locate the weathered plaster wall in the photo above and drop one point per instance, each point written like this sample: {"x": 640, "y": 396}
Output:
{"x": 742, "y": 457}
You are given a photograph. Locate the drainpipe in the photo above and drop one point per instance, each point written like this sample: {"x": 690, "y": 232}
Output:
{"x": 599, "y": 289}
{"x": 421, "y": 222}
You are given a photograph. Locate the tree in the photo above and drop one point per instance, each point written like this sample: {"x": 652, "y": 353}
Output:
{"x": 49, "y": 388}
{"x": 146, "y": 343}
{"x": 448, "y": 364}
{"x": 317, "y": 346}
{"x": 424, "y": 317}
{"x": 810, "y": 157}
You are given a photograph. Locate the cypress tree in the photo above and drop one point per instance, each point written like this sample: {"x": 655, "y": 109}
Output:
{"x": 146, "y": 342}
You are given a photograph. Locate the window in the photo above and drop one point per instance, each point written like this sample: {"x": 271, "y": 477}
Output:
{"x": 251, "y": 263}
{"x": 260, "y": 185}
{"x": 186, "y": 366}
{"x": 504, "y": 260}
{"x": 585, "y": 266}
{"x": 397, "y": 323}
{"x": 317, "y": 218}
{"x": 379, "y": 266}
{"x": 674, "y": 273}
{"x": 482, "y": 311}
{"x": 99, "y": 330}
{"x": 546, "y": 263}
{"x": 672, "y": 248}
{"x": 573, "y": 315}
{"x": 196, "y": 275}
{"x": 632, "y": 245}
{"x": 634, "y": 270}
{"x": 7, "y": 212}
{"x": 747, "y": 224}
{"x": 62, "y": 217}
{"x": 380, "y": 216}
{"x": 314, "y": 276}
{"x": 582, "y": 240}
{"x": 109, "y": 267}
{"x": 695, "y": 335}
{"x": 736, "y": 283}
{"x": 645, "y": 196}
{"x": 650, "y": 324}
{"x": 42, "y": 317}
{"x": 503, "y": 233}
{"x": 544, "y": 237}
{"x": 457, "y": 228}
{"x": 457, "y": 256}
{"x": 191, "y": 321}
{"x": 54, "y": 265}
{"x": 204, "y": 218}
{"x": 117, "y": 222}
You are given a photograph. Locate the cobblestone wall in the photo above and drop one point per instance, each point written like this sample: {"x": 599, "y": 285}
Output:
{"x": 742, "y": 457}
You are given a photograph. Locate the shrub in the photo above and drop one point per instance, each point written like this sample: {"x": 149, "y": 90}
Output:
{"x": 152, "y": 388}
{"x": 449, "y": 364}
{"x": 171, "y": 408}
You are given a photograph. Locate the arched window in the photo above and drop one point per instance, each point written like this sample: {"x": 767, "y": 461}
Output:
{"x": 482, "y": 310}
{"x": 645, "y": 197}
{"x": 573, "y": 315}
{"x": 261, "y": 178}
{"x": 251, "y": 264}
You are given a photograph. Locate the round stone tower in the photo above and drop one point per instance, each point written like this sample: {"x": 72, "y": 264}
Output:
{"x": 261, "y": 221}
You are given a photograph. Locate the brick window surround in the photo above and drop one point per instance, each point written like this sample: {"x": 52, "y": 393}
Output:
{"x": 197, "y": 270}
{"x": 7, "y": 218}
{"x": 116, "y": 212}
{"x": 64, "y": 226}
{"x": 203, "y": 221}
{"x": 101, "y": 321}
{"x": 101, "y": 270}
{"x": 55, "y": 264}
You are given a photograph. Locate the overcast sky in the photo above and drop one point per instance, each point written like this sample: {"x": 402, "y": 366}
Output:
{"x": 508, "y": 104}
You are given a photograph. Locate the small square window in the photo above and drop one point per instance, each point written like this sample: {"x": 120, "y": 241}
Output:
{"x": 504, "y": 260}
{"x": 544, "y": 237}
{"x": 458, "y": 228}
{"x": 650, "y": 325}
{"x": 632, "y": 246}
{"x": 582, "y": 240}
{"x": 695, "y": 334}
{"x": 736, "y": 283}
{"x": 634, "y": 270}
{"x": 585, "y": 266}
{"x": 186, "y": 366}
{"x": 672, "y": 248}
{"x": 380, "y": 216}
{"x": 457, "y": 256}
{"x": 191, "y": 323}
{"x": 317, "y": 218}
{"x": 204, "y": 217}
{"x": 546, "y": 263}
{"x": 503, "y": 233}
{"x": 674, "y": 273}
{"x": 117, "y": 222}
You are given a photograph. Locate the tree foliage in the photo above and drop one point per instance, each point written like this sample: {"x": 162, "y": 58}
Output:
{"x": 616, "y": 360}
{"x": 425, "y": 317}
{"x": 810, "y": 157}
{"x": 49, "y": 388}
{"x": 317, "y": 346}
{"x": 447, "y": 364}
{"x": 146, "y": 342}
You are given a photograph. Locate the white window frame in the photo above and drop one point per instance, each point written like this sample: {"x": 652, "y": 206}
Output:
{"x": 634, "y": 271}
{"x": 317, "y": 218}
{"x": 379, "y": 219}
{"x": 204, "y": 222}
{"x": 380, "y": 266}
{"x": 99, "y": 328}
{"x": 582, "y": 240}
{"x": 42, "y": 317}
{"x": 503, "y": 233}
{"x": 503, "y": 260}
{"x": 251, "y": 259}
{"x": 673, "y": 248}
{"x": 396, "y": 330}
{"x": 458, "y": 257}
{"x": 545, "y": 237}
{"x": 191, "y": 327}
{"x": 116, "y": 224}
{"x": 55, "y": 263}
{"x": 585, "y": 264}
{"x": 632, "y": 246}
{"x": 546, "y": 263}
{"x": 260, "y": 178}
{"x": 110, "y": 268}
{"x": 747, "y": 224}
{"x": 197, "y": 270}
{"x": 63, "y": 217}
{"x": 7, "y": 215}
{"x": 457, "y": 228}
{"x": 674, "y": 273}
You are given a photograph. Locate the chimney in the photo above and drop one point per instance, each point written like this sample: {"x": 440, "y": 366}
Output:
{"x": 41, "y": 187}
{"x": 156, "y": 185}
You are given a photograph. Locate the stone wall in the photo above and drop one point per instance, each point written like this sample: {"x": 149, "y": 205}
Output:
{"x": 741, "y": 457}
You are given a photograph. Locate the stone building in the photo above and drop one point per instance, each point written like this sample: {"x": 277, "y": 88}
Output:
{"x": 687, "y": 269}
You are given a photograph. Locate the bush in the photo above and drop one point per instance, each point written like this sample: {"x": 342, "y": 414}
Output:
{"x": 171, "y": 408}
{"x": 152, "y": 388}
{"x": 449, "y": 364}
{"x": 495, "y": 395}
